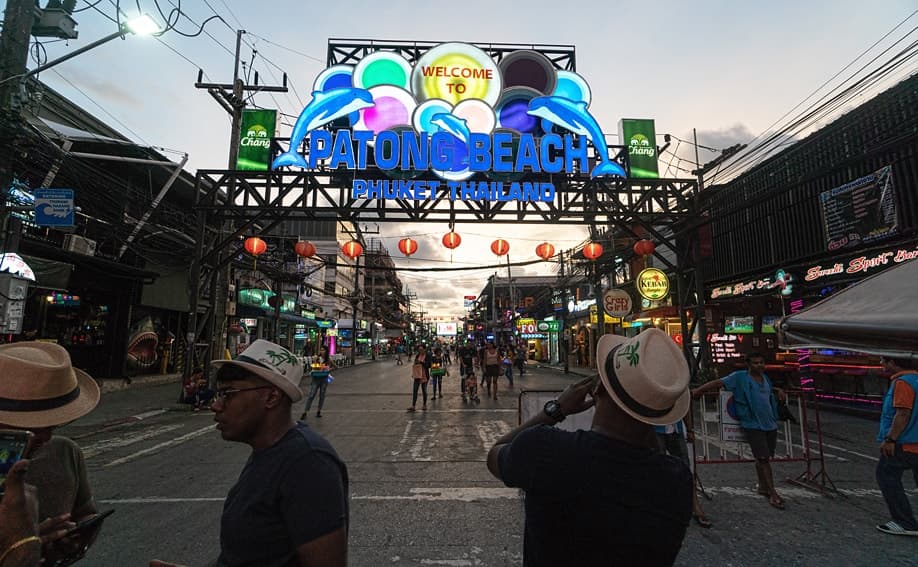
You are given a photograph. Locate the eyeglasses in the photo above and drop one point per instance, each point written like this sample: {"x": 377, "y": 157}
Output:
{"x": 227, "y": 393}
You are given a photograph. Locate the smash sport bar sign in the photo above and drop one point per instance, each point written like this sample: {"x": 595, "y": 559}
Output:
{"x": 455, "y": 113}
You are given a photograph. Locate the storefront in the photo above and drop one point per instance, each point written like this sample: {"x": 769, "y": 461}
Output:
{"x": 744, "y": 315}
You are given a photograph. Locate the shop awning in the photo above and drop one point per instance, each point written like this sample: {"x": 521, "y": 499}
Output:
{"x": 877, "y": 316}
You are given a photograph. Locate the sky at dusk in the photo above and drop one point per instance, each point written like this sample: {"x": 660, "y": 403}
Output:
{"x": 729, "y": 69}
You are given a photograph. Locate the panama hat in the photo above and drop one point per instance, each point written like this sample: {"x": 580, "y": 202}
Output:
{"x": 646, "y": 376}
{"x": 39, "y": 387}
{"x": 273, "y": 364}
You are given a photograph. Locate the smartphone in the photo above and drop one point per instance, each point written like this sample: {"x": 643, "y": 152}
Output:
{"x": 90, "y": 522}
{"x": 13, "y": 446}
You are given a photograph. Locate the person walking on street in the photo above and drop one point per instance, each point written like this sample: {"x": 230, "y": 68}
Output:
{"x": 520, "y": 360}
{"x": 319, "y": 371}
{"x": 508, "y": 364}
{"x": 437, "y": 370}
{"x": 290, "y": 504}
{"x": 608, "y": 495}
{"x": 898, "y": 438}
{"x": 490, "y": 362}
{"x": 398, "y": 355}
{"x": 467, "y": 357}
{"x": 420, "y": 374}
{"x": 757, "y": 410}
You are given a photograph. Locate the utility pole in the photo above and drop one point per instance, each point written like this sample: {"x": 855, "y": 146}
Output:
{"x": 14, "y": 52}
{"x": 231, "y": 98}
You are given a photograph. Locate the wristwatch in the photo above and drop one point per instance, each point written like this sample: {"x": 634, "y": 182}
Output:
{"x": 888, "y": 439}
{"x": 553, "y": 410}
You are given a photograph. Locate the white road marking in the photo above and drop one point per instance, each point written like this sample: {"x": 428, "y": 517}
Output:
{"x": 471, "y": 494}
{"x": 733, "y": 447}
{"x": 874, "y": 459}
{"x": 491, "y": 431}
{"x": 107, "y": 445}
{"x": 476, "y": 494}
{"x": 149, "y": 414}
{"x": 417, "y": 439}
{"x": 163, "y": 445}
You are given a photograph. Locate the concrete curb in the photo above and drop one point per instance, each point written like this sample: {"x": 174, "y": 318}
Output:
{"x": 107, "y": 385}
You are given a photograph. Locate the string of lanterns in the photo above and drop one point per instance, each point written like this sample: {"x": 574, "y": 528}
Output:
{"x": 256, "y": 246}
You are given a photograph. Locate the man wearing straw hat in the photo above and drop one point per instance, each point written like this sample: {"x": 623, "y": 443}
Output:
{"x": 290, "y": 504}
{"x": 606, "y": 495}
{"x": 40, "y": 390}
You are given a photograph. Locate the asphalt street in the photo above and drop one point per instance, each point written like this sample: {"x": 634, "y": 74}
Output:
{"x": 420, "y": 491}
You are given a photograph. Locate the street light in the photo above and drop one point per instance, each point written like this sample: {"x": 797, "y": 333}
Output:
{"x": 140, "y": 25}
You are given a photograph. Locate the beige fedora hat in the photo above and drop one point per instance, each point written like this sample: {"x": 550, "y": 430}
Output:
{"x": 40, "y": 388}
{"x": 273, "y": 364}
{"x": 646, "y": 376}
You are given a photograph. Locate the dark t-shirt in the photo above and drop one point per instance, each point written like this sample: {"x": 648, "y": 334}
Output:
{"x": 592, "y": 500}
{"x": 288, "y": 494}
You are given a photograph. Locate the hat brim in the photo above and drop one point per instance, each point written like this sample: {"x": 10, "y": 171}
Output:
{"x": 292, "y": 390}
{"x": 680, "y": 408}
{"x": 82, "y": 405}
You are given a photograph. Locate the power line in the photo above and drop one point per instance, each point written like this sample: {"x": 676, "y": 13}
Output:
{"x": 300, "y": 53}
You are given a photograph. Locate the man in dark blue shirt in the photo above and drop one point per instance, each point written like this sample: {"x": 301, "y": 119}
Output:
{"x": 289, "y": 507}
{"x": 605, "y": 496}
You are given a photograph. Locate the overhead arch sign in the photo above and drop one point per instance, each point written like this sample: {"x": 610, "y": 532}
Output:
{"x": 454, "y": 113}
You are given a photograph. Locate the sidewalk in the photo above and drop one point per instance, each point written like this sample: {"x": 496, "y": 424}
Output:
{"x": 141, "y": 397}
{"x": 573, "y": 369}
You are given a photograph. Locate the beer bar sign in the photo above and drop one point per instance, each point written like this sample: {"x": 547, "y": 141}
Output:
{"x": 255, "y": 139}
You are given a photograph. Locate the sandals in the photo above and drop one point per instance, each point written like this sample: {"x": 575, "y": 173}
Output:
{"x": 702, "y": 520}
{"x": 411, "y": 409}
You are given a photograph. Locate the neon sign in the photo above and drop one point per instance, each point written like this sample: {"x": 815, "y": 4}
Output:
{"x": 455, "y": 113}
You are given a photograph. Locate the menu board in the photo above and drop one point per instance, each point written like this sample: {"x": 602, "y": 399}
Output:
{"x": 860, "y": 212}
{"x": 724, "y": 348}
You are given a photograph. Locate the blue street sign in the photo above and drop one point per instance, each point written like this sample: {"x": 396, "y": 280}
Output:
{"x": 54, "y": 207}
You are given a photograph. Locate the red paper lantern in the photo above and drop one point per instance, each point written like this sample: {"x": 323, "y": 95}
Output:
{"x": 255, "y": 246}
{"x": 545, "y": 251}
{"x": 305, "y": 249}
{"x": 407, "y": 246}
{"x": 592, "y": 250}
{"x": 452, "y": 240}
{"x": 500, "y": 247}
{"x": 644, "y": 247}
{"x": 352, "y": 249}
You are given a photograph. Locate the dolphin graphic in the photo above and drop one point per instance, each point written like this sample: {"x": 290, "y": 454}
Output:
{"x": 322, "y": 109}
{"x": 574, "y": 116}
{"x": 452, "y": 124}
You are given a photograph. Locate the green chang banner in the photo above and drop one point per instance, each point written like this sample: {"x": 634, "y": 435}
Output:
{"x": 639, "y": 136}
{"x": 255, "y": 139}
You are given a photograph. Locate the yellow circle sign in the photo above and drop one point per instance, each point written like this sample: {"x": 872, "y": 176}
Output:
{"x": 652, "y": 284}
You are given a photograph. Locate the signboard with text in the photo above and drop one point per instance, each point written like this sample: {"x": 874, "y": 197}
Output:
{"x": 255, "y": 139}
{"x": 652, "y": 284}
{"x": 456, "y": 112}
{"x": 639, "y": 136}
{"x": 54, "y": 207}
{"x": 860, "y": 212}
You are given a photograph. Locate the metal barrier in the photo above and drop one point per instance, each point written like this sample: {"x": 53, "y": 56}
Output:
{"x": 729, "y": 439}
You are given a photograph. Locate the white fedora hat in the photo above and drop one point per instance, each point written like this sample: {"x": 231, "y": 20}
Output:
{"x": 273, "y": 364}
{"x": 646, "y": 376}
{"x": 39, "y": 387}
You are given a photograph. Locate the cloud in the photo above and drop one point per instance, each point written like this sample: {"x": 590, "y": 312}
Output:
{"x": 107, "y": 90}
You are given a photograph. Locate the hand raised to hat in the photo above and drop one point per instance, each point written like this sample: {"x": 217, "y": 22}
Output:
{"x": 576, "y": 398}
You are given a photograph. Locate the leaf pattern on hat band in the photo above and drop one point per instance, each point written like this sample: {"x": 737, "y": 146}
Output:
{"x": 630, "y": 353}
{"x": 278, "y": 358}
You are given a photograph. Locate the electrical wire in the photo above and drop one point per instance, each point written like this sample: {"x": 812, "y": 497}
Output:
{"x": 89, "y": 5}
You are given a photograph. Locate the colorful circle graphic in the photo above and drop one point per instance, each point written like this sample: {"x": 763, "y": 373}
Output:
{"x": 393, "y": 107}
{"x": 425, "y": 111}
{"x": 455, "y": 72}
{"x": 572, "y": 86}
{"x": 512, "y": 109}
{"x": 335, "y": 77}
{"x": 530, "y": 69}
{"x": 382, "y": 68}
{"x": 479, "y": 117}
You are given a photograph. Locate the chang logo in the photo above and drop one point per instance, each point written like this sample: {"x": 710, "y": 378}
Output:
{"x": 639, "y": 145}
{"x": 257, "y": 136}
